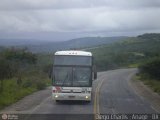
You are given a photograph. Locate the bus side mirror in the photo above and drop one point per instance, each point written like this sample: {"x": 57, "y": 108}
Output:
{"x": 95, "y": 75}
{"x": 95, "y": 72}
{"x": 50, "y": 74}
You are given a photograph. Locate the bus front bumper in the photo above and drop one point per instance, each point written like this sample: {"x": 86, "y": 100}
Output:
{"x": 72, "y": 96}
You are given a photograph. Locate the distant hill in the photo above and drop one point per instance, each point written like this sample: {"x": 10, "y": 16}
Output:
{"x": 129, "y": 52}
{"x": 19, "y": 42}
{"x": 74, "y": 44}
{"x": 44, "y": 46}
{"x": 1, "y": 48}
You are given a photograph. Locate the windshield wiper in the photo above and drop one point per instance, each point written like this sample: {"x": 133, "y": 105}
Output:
{"x": 65, "y": 79}
{"x": 75, "y": 78}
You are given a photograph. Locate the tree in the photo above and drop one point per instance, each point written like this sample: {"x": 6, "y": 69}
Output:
{"x": 13, "y": 62}
{"x": 151, "y": 68}
{"x": 5, "y": 71}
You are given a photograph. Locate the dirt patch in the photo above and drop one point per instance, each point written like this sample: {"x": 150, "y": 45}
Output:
{"x": 145, "y": 92}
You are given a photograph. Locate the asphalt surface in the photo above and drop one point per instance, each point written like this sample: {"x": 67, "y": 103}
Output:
{"x": 117, "y": 96}
{"x": 112, "y": 94}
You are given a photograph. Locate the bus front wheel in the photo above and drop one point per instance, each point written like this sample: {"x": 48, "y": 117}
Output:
{"x": 57, "y": 100}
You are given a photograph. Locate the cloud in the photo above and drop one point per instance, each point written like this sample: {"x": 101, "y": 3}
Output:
{"x": 91, "y": 19}
{"x": 79, "y": 15}
{"x": 71, "y": 4}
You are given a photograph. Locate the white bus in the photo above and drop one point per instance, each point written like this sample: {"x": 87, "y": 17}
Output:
{"x": 72, "y": 75}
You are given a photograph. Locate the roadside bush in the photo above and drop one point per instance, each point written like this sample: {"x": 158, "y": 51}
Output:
{"x": 40, "y": 85}
{"x": 48, "y": 70}
{"x": 20, "y": 55}
{"x": 151, "y": 68}
{"x": 27, "y": 84}
{"x": 5, "y": 72}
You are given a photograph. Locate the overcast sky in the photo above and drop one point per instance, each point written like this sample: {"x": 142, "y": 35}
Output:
{"x": 65, "y": 19}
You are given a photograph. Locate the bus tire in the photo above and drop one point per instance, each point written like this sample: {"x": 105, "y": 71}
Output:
{"x": 57, "y": 101}
{"x": 88, "y": 101}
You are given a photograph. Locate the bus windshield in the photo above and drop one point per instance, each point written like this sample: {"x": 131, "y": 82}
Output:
{"x": 72, "y": 76}
{"x": 72, "y": 60}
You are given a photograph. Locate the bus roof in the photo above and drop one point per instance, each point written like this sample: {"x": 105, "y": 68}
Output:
{"x": 74, "y": 52}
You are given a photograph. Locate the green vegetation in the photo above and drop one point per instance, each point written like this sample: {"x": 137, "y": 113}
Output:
{"x": 154, "y": 84}
{"x": 150, "y": 73}
{"x": 21, "y": 73}
{"x": 151, "y": 68}
{"x": 130, "y": 52}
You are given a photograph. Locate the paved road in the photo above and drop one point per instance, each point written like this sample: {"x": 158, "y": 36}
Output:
{"x": 117, "y": 96}
{"x": 112, "y": 93}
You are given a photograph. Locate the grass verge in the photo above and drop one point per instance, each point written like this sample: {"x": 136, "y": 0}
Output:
{"x": 152, "y": 83}
{"x": 12, "y": 92}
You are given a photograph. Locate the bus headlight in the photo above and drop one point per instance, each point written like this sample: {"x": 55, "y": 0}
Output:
{"x": 56, "y": 96}
{"x": 86, "y": 97}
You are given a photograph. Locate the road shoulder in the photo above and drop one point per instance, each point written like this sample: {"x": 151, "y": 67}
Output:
{"x": 145, "y": 92}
